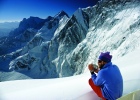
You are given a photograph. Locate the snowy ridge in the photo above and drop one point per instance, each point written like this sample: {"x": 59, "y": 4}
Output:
{"x": 80, "y": 18}
{"x": 62, "y": 23}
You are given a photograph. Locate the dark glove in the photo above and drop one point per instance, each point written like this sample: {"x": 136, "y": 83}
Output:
{"x": 92, "y": 68}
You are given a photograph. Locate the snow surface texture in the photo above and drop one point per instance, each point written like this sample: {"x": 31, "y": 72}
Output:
{"x": 65, "y": 46}
{"x": 70, "y": 88}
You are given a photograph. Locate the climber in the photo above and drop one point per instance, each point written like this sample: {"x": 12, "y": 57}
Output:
{"x": 106, "y": 80}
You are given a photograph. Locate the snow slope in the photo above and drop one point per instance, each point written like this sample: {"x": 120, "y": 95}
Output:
{"x": 46, "y": 89}
{"x": 70, "y": 88}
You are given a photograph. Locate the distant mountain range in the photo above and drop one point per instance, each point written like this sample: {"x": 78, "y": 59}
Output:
{"x": 6, "y": 27}
{"x": 62, "y": 46}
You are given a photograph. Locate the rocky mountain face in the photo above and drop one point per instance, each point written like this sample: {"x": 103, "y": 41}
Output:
{"x": 17, "y": 37}
{"x": 64, "y": 46}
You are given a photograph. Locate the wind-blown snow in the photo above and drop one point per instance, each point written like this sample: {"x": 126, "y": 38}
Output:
{"x": 70, "y": 88}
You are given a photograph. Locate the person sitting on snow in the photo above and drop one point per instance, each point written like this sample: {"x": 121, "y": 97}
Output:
{"x": 108, "y": 83}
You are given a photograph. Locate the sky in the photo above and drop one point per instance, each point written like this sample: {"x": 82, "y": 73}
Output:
{"x": 16, "y": 10}
{"x": 71, "y": 88}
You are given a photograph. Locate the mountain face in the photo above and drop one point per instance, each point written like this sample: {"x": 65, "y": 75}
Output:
{"x": 19, "y": 37}
{"x": 64, "y": 46}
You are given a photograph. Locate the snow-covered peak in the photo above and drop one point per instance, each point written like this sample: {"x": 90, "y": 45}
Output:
{"x": 62, "y": 23}
{"x": 61, "y": 14}
{"x": 79, "y": 15}
{"x": 49, "y": 28}
{"x": 31, "y": 22}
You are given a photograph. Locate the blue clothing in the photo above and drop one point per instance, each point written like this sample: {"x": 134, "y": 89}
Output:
{"x": 110, "y": 80}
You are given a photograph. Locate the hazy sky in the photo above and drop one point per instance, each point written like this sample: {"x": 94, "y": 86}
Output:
{"x": 16, "y": 10}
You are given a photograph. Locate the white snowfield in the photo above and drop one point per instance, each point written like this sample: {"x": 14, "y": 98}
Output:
{"x": 70, "y": 88}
